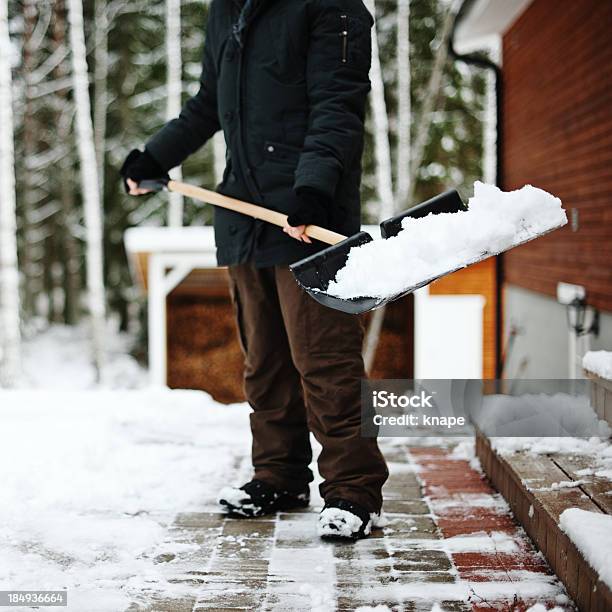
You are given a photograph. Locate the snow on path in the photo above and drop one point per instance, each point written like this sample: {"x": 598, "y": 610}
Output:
{"x": 464, "y": 506}
{"x": 92, "y": 480}
{"x": 111, "y": 495}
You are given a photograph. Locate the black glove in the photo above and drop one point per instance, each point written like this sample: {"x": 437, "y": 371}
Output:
{"x": 313, "y": 208}
{"x": 141, "y": 165}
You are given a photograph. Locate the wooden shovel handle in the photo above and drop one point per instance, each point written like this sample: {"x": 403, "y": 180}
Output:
{"x": 251, "y": 210}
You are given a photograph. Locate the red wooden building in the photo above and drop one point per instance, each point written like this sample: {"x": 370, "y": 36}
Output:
{"x": 556, "y": 133}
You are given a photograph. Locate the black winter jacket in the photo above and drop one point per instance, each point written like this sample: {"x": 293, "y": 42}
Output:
{"x": 287, "y": 83}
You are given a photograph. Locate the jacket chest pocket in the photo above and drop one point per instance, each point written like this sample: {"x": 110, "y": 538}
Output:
{"x": 284, "y": 156}
{"x": 288, "y": 45}
{"x": 276, "y": 175}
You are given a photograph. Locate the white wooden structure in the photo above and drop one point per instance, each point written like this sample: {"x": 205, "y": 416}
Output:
{"x": 160, "y": 258}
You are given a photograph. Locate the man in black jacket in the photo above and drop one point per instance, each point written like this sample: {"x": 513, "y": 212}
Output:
{"x": 287, "y": 82}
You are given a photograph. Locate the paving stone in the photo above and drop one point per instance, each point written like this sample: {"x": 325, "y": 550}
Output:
{"x": 238, "y": 570}
{"x": 352, "y": 602}
{"x": 245, "y": 548}
{"x": 164, "y": 605}
{"x": 421, "y": 560}
{"x": 401, "y": 506}
{"x": 402, "y": 493}
{"x": 408, "y": 528}
{"x": 247, "y": 596}
{"x": 248, "y": 527}
{"x": 199, "y": 520}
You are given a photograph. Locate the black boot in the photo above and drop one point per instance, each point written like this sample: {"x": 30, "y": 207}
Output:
{"x": 257, "y": 498}
{"x": 345, "y": 520}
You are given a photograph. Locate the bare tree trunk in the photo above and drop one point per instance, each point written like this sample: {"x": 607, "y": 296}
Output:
{"x": 384, "y": 178}
{"x": 28, "y": 202}
{"x": 378, "y": 105}
{"x": 70, "y": 247}
{"x": 71, "y": 251}
{"x": 174, "y": 84}
{"x": 90, "y": 184}
{"x": 100, "y": 87}
{"x": 404, "y": 104}
{"x": 429, "y": 102}
{"x": 10, "y": 336}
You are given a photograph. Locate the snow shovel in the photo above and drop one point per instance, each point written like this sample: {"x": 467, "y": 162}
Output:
{"x": 314, "y": 273}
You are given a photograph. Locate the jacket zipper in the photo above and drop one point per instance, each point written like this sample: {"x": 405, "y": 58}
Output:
{"x": 344, "y": 38}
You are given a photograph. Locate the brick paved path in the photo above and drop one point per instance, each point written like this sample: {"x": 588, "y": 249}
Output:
{"x": 449, "y": 541}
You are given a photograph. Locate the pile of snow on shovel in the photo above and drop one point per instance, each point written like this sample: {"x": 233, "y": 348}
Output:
{"x": 437, "y": 244}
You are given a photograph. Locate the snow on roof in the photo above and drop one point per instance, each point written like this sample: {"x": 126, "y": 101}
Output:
{"x": 486, "y": 20}
{"x": 591, "y": 532}
{"x": 598, "y": 362}
{"x": 169, "y": 239}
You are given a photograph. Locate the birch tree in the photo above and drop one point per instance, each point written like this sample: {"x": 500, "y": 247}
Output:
{"x": 89, "y": 183}
{"x": 29, "y": 143}
{"x": 100, "y": 87}
{"x": 384, "y": 176}
{"x": 429, "y": 101}
{"x": 174, "y": 81}
{"x": 105, "y": 14}
{"x": 10, "y": 354}
{"x": 404, "y": 103}
{"x": 380, "y": 121}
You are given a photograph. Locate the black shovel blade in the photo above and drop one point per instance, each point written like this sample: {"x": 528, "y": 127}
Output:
{"x": 448, "y": 202}
{"x": 314, "y": 274}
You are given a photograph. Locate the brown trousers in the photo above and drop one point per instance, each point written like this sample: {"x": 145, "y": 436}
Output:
{"x": 303, "y": 371}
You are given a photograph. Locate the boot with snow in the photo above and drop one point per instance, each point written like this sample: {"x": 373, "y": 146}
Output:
{"x": 344, "y": 520}
{"x": 257, "y": 498}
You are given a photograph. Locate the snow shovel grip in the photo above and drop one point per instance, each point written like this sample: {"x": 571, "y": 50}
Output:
{"x": 245, "y": 208}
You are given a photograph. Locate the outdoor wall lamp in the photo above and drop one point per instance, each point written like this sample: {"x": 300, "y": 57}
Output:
{"x": 581, "y": 318}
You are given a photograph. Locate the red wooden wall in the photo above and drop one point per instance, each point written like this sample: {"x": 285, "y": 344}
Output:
{"x": 557, "y": 63}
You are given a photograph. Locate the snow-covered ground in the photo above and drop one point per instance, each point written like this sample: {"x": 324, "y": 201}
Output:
{"x": 92, "y": 475}
{"x": 92, "y": 480}
{"x": 59, "y": 357}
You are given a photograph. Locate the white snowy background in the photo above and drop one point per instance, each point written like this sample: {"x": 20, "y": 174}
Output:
{"x": 92, "y": 479}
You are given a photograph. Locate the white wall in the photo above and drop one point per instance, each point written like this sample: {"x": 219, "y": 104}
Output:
{"x": 541, "y": 348}
{"x": 447, "y": 335}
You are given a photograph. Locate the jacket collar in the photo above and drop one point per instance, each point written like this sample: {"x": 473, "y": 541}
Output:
{"x": 249, "y": 11}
